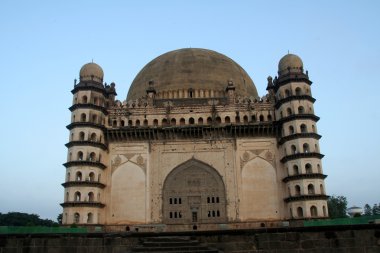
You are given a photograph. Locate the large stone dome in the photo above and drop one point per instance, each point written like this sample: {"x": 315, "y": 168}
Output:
{"x": 192, "y": 68}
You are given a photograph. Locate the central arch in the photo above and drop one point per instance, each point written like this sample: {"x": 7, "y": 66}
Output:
{"x": 194, "y": 192}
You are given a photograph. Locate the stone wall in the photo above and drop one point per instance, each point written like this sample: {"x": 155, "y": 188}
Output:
{"x": 342, "y": 239}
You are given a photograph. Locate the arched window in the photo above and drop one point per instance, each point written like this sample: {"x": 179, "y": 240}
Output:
{"x": 289, "y": 111}
{"x": 313, "y": 211}
{"x": 303, "y": 128}
{"x": 296, "y": 170}
{"x": 68, "y": 176}
{"x": 80, "y": 155}
{"x": 319, "y": 168}
{"x": 78, "y": 176}
{"x": 261, "y": 118}
{"x": 95, "y": 100}
{"x": 200, "y": 121}
{"x": 94, "y": 118}
{"x": 122, "y": 123}
{"x": 165, "y": 122}
{"x": 253, "y": 118}
{"x": 84, "y": 99}
{"x": 316, "y": 148}
{"x": 321, "y": 190}
{"x": 287, "y": 93}
{"x": 173, "y": 122}
{"x": 91, "y": 176}
{"x": 227, "y": 120}
{"x": 83, "y": 117}
{"x": 237, "y": 119}
{"x": 297, "y": 189}
{"x": 67, "y": 196}
{"x": 289, "y": 192}
{"x": 137, "y": 122}
{"x": 93, "y": 137}
{"x": 191, "y": 121}
{"x": 281, "y": 114}
{"x": 324, "y": 211}
{"x": 155, "y": 122}
{"x": 130, "y": 123}
{"x": 269, "y": 117}
{"x": 76, "y": 218}
{"x": 81, "y": 136}
{"x": 92, "y": 157}
{"x": 245, "y": 119}
{"x": 77, "y": 196}
{"x": 291, "y": 130}
{"x": 313, "y": 128}
{"x": 145, "y": 122}
{"x": 182, "y": 122}
{"x": 89, "y": 218}
{"x": 301, "y": 110}
{"x": 294, "y": 149}
{"x": 114, "y": 123}
{"x": 308, "y": 168}
{"x": 298, "y": 91}
{"x": 306, "y": 148}
{"x": 209, "y": 121}
{"x": 218, "y": 120}
{"x": 300, "y": 212}
{"x": 90, "y": 197}
{"x": 310, "y": 189}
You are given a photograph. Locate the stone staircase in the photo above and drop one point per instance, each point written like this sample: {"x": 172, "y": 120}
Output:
{"x": 172, "y": 244}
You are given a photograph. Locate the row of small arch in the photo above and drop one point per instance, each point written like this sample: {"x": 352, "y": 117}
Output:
{"x": 91, "y": 157}
{"x": 79, "y": 177}
{"x": 92, "y": 137}
{"x": 297, "y": 92}
{"x": 308, "y": 169}
{"x": 90, "y": 197}
{"x": 305, "y": 149}
{"x": 95, "y": 100}
{"x": 310, "y": 190}
{"x": 301, "y": 110}
{"x": 313, "y": 212}
{"x": 191, "y": 121}
{"x": 76, "y": 218}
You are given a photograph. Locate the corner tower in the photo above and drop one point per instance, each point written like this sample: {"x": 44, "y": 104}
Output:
{"x": 87, "y": 148}
{"x": 299, "y": 141}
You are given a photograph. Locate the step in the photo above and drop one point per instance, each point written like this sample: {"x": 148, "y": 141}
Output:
{"x": 170, "y": 249}
{"x": 169, "y": 243}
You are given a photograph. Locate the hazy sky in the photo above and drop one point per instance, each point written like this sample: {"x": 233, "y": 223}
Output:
{"x": 43, "y": 44}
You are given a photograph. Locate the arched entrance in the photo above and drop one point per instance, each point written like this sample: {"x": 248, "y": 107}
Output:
{"x": 194, "y": 192}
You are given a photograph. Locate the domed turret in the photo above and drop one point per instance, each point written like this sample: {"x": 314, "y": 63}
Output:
{"x": 91, "y": 72}
{"x": 290, "y": 63}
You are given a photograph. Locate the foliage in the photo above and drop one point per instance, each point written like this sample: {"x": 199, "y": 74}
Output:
{"x": 337, "y": 206}
{"x": 367, "y": 210}
{"x": 24, "y": 219}
{"x": 376, "y": 209}
{"x": 59, "y": 218}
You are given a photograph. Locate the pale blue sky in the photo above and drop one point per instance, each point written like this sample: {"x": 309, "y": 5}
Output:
{"x": 43, "y": 44}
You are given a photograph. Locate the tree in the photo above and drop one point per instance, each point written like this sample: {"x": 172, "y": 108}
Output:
{"x": 375, "y": 209}
{"x": 337, "y": 206}
{"x": 24, "y": 219}
{"x": 59, "y": 218}
{"x": 367, "y": 210}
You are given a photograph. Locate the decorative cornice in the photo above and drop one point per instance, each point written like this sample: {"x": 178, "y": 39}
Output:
{"x": 306, "y": 198}
{"x": 209, "y": 132}
{"x": 304, "y": 176}
{"x": 298, "y": 116}
{"x": 94, "y": 86}
{"x": 292, "y": 98}
{"x": 88, "y": 106}
{"x": 85, "y": 124}
{"x": 301, "y": 155}
{"x": 85, "y": 163}
{"x": 84, "y": 184}
{"x": 297, "y": 136}
{"x": 83, "y": 204}
{"x": 86, "y": 143}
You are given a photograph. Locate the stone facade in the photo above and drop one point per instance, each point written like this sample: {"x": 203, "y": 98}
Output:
{"x": 190, "y": 154}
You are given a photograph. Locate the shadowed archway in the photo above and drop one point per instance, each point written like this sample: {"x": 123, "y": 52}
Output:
{"x": 194, "y": 192}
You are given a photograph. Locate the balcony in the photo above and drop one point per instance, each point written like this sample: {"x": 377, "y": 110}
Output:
{"x": 86, "y": 183}
{"x": 97, "y": 164}
{"x": 306, "y": 197}
{"x": 292, "y": 98}
{"x": 83, "y": 204}
{"x": 91, "y": 143}
{"x": 301, "y": 155}
{"x": 304, "y": 176}
{"x": 299, "y": 135}
{"x": 88, "y": 106}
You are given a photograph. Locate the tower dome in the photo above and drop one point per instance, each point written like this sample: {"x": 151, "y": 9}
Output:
{"x": 290, "y": 63}
{"x": 195, "y": 69}
{"x": 91, "y": 71}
